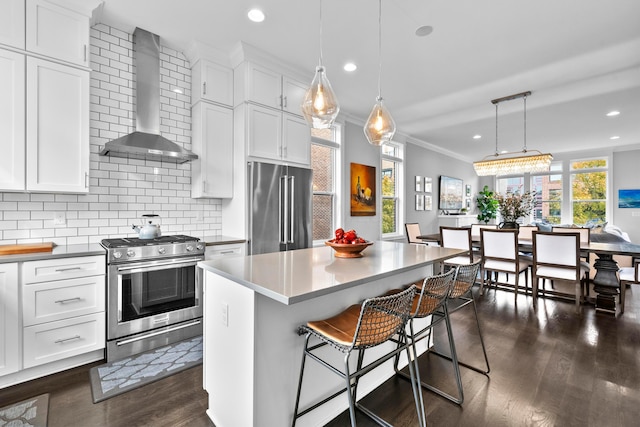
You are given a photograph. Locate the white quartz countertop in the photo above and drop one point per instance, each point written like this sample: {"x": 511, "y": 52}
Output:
{"x": 62, "y": 251}
{"x": 303, "y": 274}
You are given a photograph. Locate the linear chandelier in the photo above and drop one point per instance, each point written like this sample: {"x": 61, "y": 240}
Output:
{"x": 513, "y": 162}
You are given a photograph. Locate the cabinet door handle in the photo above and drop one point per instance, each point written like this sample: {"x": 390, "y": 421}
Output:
{"x": 204, "y": 88}
{"x": 60, "y": 270}
{"x": 63, "y": 340}
{"x": 64, "y": 301}
{"x": 204, "y": 186}
{"x": 280, "y": 101}
{"x": 86, "y": 180}
{"x": 85, "y": 53}
{"x": 284, "y": 102}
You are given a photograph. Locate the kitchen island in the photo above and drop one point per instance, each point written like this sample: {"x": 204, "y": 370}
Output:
{"x": 253, "y": 306}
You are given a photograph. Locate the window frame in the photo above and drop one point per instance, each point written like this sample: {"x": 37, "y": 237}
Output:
{"x": 336, "y": 194}
{"x": 398, "y": 159}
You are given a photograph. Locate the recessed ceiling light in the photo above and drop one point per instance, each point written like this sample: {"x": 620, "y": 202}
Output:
{"x": 425, "y": 30}
{"x": 504, "y": 152}
{"x": 613, "y": 113}
{"x": 350, "y": 67}
{"x": 615, "y": 137}
{"x": 256, "y": 15}
{"x": 477, "y": 136}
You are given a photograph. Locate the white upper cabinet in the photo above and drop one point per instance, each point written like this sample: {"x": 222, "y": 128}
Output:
{"x": 212, "y": 82}
{"x": 57, "y": 127}
{"x": 212, "y": 172}
{"x": 270, "y": 88}
{"x": 276, "y": 136}
{"x": 12, "y": 23}
{"x": 12, "y": 120}
{"x": 57, "y": 32}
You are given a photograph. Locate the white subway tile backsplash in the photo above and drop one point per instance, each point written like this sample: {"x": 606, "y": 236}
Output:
{"x": 120, "y": 189}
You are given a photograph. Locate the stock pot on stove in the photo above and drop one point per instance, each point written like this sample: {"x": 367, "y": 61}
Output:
{"x": 150, "y": 228}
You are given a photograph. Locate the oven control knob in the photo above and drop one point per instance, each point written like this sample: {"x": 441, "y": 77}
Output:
{"x": 189, "y": 248}
{"x": 131, "y": 253}
{"x": 200, "y": 247}
{"x": 117, "y": 255}
{"x": 161, "y": 251}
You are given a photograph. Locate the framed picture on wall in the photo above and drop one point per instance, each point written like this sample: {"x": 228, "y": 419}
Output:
{"x": 418, "y": 183}
{"x": 419, "y": 202}
{"x": 427, "y": 203}
{"x": 427, "y": 184}
{"x": 468, "y": 191}
{"x": 468, "y": 204}
{"x": 363, "y": 190}
{"x": 629, "y": 199}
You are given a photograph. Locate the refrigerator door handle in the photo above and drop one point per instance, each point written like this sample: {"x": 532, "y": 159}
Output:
{"x": 292, "y": 205}
{"x": 282, "y": 212}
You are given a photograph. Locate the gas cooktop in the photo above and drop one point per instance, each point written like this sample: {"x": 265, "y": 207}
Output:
{"x": 131, "y": 242}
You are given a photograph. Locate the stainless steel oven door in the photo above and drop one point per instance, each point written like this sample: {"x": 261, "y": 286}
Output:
{"x": 150, "y": 295}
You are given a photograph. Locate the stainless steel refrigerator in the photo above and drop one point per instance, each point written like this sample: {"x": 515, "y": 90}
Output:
{"x": 280, "y": 200}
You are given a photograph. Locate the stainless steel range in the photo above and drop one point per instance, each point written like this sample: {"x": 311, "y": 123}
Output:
{"x": 154, "y": 296}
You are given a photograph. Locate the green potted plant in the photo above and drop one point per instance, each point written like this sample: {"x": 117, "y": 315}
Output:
{"x": 487, "y": 205}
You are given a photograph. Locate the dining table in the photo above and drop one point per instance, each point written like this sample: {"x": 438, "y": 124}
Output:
{"x": 606, "y": 283}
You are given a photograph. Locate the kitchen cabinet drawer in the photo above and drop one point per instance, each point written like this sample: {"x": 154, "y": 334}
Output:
{"x": 222, "y": 251}
{"x": 62, "y": 299}
{"x": 53, "y": 341}
{"x": 63, "y": 268}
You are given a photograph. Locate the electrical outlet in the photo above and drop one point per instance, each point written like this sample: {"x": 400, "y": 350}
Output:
{"x": 224, "y": 311}
{"x": 59, "y": 218}
{"x": 635, "y": 213}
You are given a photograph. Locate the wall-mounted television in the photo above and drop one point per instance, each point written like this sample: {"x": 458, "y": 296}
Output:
{"x": 451, "y": 193}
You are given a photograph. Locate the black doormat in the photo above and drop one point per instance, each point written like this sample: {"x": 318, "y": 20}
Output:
{"x": 114, "y": 378}
{"x": 27, "y": 413}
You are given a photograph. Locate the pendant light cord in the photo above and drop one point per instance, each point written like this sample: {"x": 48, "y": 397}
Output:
{"x": 525, "y": 124}
{"x": 379, "y": 48}
{"x": 321, "y": 33}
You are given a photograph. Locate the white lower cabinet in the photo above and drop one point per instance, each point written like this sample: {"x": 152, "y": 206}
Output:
{"x": 224, "y": 251}
{"x": 52, "y": 316}
{"x": 9, "y": 319}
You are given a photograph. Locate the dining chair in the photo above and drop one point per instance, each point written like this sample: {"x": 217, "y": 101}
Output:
{"x": 499, "y": 251}
{"x": 628, "y": 276}
{"x": 556, "y": 256}
{"x": 585, "y": 239}
{"x": 413, "y": 231}
{"x": 475, "y": 230}
{"x": 457, "y": 238}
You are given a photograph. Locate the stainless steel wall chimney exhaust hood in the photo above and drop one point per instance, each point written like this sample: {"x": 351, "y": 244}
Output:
{"x": 146, "y": 142}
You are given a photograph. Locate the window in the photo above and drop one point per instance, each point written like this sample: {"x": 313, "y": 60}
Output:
{"x": 589, "y": 190}
{"x": 548, "y": 188}
{"x": 325, "y": 158}
{"x": 391, "y": 184}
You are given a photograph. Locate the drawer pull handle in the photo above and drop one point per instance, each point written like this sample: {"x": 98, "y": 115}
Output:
{"x": 60, "y": 270}
{"x": 64, "y": 301}
{"x": 230, "y": 251}
{"x": 61, "y": 341}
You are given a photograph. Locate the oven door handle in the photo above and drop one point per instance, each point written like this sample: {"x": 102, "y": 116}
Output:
{"x": 159, "y": 265}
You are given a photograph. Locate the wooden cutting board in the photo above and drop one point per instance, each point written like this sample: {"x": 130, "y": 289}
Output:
{"x": 26, "y": 248}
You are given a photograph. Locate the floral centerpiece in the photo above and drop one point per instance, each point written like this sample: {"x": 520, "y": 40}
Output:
{"x": 513, "y": 206}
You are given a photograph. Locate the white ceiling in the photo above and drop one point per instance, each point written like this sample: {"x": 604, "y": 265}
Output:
{"x": 580, "y": 59}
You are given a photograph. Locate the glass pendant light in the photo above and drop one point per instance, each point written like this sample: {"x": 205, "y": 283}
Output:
{"x": 320, "y": 106}
{"x": 380, "y": 126}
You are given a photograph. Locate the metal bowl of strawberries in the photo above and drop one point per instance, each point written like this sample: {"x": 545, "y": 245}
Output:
{"x": 347, "y": 244}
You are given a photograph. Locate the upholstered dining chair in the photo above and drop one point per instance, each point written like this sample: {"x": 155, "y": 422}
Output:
{"x": 556, "y": 256}
{"x": 475, "y": 230}
{"x": 457, "y": 238}
{"x": 628, "y": 275}
{"x": 585, "y": 239}
{"x": 413, "y": 231}
{"x": 499, "y": 249}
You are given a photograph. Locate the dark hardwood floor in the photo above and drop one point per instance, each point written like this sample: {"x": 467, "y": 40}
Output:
{"x": 551, "y": 367}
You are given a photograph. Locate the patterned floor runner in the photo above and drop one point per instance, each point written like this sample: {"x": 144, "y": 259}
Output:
{"x": 114, "y": 378}
{"x": 28, "y": 413}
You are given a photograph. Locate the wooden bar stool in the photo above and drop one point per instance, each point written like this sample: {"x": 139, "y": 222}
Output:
{"x": 360, "y": 327}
